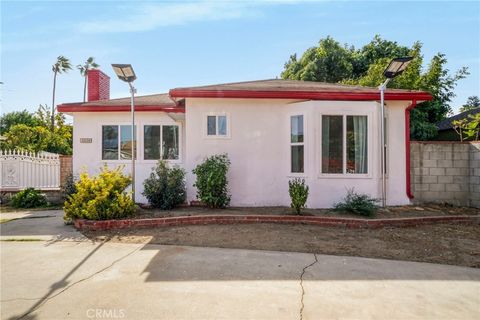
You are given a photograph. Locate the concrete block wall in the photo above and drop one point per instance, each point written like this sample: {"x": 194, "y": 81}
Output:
{"x": 66, "y": 168}
{"x": 446, "y": 172}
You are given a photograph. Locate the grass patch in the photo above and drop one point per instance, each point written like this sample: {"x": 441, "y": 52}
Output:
{"x": 7, "y": 208}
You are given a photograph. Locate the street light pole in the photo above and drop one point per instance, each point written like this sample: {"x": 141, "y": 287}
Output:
{"x": 383, "y": 145}
{"x": 394, "y": 68}
{"x": 125, "y": 73}
{"x": 134, "y": 140}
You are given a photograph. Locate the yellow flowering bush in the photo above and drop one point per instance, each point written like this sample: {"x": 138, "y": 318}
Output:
{"x": 100, "y": 197}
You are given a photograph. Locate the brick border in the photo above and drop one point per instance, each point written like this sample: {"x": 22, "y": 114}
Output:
{"x": 350, "y": 223}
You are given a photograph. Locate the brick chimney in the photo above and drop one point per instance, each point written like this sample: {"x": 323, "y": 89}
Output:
{"x": 98, "y": 85}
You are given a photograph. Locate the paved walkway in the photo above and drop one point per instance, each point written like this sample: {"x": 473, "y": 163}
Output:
{"x": 71, "y": 279}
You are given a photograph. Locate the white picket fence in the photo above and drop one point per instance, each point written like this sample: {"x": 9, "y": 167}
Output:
{"x": 22, "y": 169}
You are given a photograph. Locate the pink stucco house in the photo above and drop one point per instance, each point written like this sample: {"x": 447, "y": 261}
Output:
{"x": 272, "y": 130}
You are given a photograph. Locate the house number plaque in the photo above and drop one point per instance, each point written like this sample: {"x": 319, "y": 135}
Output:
{"x": 85, "y": 140}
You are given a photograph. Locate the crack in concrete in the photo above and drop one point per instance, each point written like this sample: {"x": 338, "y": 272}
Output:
{"x": 301, "y": 284}
{"x": 46, "y": 299}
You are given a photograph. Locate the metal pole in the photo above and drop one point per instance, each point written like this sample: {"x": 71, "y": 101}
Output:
{"x": 132, "y": 103}
{"x": 382, "y": 141}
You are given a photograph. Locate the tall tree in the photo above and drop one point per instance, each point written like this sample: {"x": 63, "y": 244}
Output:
{"x": 367, "y": 65}
{"x": 60, "y": 66}
{"x": 89, "y": 64}
{"x": 473, "y": 102}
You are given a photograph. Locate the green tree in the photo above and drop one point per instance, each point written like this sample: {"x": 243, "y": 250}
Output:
{"x": 89, "y": 64}
{"x": 62, "y": 65}
{"x": 473, "y": 102}
{"x": 35, "y": 134}
{"x": 366, "y": 67}
{"x": 10, "y": 119}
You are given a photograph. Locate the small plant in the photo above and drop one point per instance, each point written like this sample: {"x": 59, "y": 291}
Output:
{"x": 361, "y": 204}
{"x": 211, "y": 182}
{"x": 101, "y": 197}
{"x": 69, "y": 186}
{"x": 165, "y": 188}
{"x": 29, "y": 198}
{"x": 298, "y": 191}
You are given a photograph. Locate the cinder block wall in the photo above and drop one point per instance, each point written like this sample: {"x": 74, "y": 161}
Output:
{"x": 66, "y": 168}
{"x": 446, "y": 172}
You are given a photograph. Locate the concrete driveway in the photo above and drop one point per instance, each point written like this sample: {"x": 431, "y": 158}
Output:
{"x": 68, "y": 277}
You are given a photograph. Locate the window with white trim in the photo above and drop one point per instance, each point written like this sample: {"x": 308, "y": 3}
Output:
{"x": 217, "y": 126}
{"x": 161, "y": 142}
{"x": 297, "y": 144}
{"x": 344, "y": 144}
{"x": 117, "y": 142}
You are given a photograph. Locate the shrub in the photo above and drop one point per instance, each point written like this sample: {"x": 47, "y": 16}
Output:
{"x": 100, "y": 197}
{"x": 211, "y": 182}
{"x": 165, "y": 188}
{"x": 29, "y": 198}
{"x": 298, "y": 191}
{"x": 361, "y": 204}
{"x": 69, "y": 187}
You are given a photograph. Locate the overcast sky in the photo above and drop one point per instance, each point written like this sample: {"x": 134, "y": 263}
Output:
{"x": 173, "y": 44}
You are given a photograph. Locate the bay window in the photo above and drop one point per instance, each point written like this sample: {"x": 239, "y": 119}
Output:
{"x": 344, "y": 144}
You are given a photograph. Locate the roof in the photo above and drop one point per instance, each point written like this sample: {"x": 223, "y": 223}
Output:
{"x": 261, "y": 89}
{"x": 446, "y": 124}
{"x": 295, "y": 89}
{"x": 154, "y": 102}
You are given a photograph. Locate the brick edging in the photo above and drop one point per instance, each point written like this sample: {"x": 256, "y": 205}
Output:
{"x": 351, "y": 223}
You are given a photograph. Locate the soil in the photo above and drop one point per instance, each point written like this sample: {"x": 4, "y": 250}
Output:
{"x": 443, "y": 243}
{"x": 390, "y": 212}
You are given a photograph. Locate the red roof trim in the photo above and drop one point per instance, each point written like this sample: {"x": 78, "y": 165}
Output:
{"x": 312, "y": 95}
{"x": 120, "y": 108}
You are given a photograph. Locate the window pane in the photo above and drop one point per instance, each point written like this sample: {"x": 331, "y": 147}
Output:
{"x": 297, "y": 158}
{"x": 151, "y": 142}
{"x": 222, "y": 125}
{"x": 332, "y": 144}
{"x": 211, "y": 125}
{"x": 109, "y": 142}
{"x": 296, "y": 127}
{"x": 357, "y": 144}
{"x": 126, "y": 142}
{"x": 170, "y": 142}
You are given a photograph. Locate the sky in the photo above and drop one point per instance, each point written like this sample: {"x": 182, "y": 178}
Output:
{"x": 180, "y": 43}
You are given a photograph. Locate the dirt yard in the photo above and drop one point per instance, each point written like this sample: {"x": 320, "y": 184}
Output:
{"x": 390, "y": 212}
{"x": 445, "y": 244}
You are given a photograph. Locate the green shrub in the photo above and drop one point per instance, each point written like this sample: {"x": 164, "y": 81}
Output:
{"x": 298, "y": 191}
{"x": 211, "y": 182}
{"x": 100, "y": 197}
{"x": 29, "y": 198}
{"x": 165, "y": 188}
{"x": 361, "y": 204}
{"x": 69, "y": 187}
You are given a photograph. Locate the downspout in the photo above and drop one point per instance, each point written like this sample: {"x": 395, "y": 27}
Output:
{"x": 407, "y": 146}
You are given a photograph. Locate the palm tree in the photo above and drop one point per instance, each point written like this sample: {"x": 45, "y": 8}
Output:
{"x": 89, "y": 64}
{"x": 62, "y": 65}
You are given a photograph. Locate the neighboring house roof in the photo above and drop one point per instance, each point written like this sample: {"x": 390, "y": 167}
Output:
{"x": 295, "y": 89}
{"x": 261, "y": 89}
{"x": 447, "y": 123}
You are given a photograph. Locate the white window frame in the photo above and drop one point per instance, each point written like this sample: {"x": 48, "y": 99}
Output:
{"x": 216, "y": 115}
{"x": 161, "y": 124}
{"x": 118, "y": 124}
{"x": 304, "y": 144}
{"x": 346, "y": 175}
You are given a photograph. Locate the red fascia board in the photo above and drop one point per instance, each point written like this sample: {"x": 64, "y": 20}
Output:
{"x": 120, "y": 108}
{"x": 312, "y": 95}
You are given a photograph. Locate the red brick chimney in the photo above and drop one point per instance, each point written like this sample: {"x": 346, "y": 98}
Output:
{"x": 98, "y": 85}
